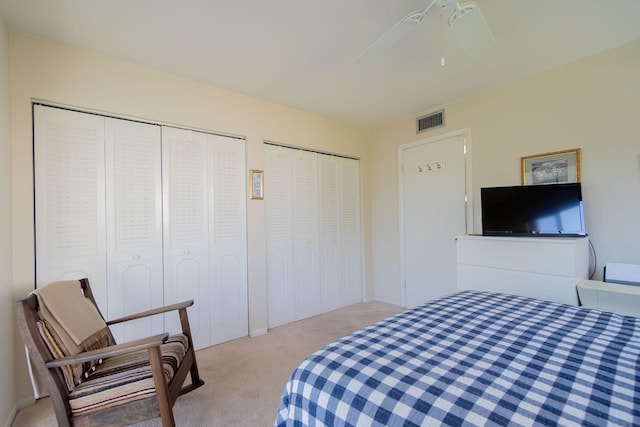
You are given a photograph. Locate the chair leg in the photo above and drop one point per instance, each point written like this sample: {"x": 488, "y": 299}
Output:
{"x": 162, "y": 390}
{"x": 195, "y": 375}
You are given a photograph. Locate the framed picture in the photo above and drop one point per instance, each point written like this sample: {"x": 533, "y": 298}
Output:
{"x": 256, "y": 184}
{"x": 551, "y": 168}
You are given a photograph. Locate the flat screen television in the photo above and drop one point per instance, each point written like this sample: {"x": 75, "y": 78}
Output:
{"x": 550, "y": 210}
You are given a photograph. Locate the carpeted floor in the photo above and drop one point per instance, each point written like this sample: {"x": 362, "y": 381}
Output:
{"x": 244, "y": 378}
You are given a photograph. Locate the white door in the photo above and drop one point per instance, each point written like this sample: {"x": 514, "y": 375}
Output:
{"x": 279, "y": 231}
{"x": 313, "y": 233}
{"x": 308, "y": 292}
{"x": 205, "y": 254}
{"x": 70, "y": 198}
{"x": 340, "y": 236}
{"x": 134, "y": 226}
{"x": 433, "y": 211}
{"x": 351, "y": 259}
{"x": 329, "y": 236}
{"x": 186, "y": 228}
{"x": 229, "y": 314}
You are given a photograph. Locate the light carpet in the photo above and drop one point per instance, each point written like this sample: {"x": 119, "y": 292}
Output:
{"x": 244, "y": 378}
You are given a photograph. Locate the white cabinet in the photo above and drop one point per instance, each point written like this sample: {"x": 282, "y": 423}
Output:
{"x": 543, "y": 268}
{"x": 151, "y": 214}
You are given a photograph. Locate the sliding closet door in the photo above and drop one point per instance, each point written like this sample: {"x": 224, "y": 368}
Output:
{"x": 314, "y": 260}
{"x": 98, "y": 211}
{"x": 205, "y": 256}
{"x": 186, "y": 228}
{"x": 279, "y": 206}
{"x": 151, "y": 215}
{"x": 340, "y": 238}
{"x": 229, "y": 314}
{"x": 69, "y": 180}
{"x": 308, "y": 293}
{"x": 350, "y": 231}
{"x": 330, "y": 244}
{"x": 134, "y": 225}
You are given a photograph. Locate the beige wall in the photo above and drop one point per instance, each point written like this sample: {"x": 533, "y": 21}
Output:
{"x": 45, "y": 70}
{"x": 593, "y": 104}
{"x": 7, "y": 381}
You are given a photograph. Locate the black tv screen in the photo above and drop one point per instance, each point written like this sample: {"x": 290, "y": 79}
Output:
{"x": 533, "y": 210}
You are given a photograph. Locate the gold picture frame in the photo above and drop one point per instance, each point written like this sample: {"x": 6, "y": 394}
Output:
{"x": 256, "y": 184}
{"x": 551, "y": 168}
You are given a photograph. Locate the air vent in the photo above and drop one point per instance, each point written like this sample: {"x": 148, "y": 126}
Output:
{"x": 430, "y": 121}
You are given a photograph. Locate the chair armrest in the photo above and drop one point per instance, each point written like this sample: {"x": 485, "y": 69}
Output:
{"x": 151, "y": 312}
{"x": 114, "y": 350}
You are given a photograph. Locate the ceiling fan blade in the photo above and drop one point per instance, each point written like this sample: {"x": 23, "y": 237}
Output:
{"x": 394, "y": 34}
{"x": 470, "y": 29}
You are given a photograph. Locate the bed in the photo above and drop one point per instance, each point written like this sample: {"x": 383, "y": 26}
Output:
{"x": 474, "y": 358}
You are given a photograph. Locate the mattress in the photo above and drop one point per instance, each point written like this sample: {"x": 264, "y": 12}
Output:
{"x": 474, "y": 358}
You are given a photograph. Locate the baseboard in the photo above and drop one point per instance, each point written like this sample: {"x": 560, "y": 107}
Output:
{"x": 24, "y": 402}
{"x": 386, "y": 301}
{"x": 12, "y": 416}
{"x": 258, "y": 332}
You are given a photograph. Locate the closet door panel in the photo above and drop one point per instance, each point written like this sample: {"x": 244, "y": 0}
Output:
{"x": 307, "y": 291}
{"x": 314, "y": 260}
{"x": 134, "y": 225}
{"x": 279, "y": 206}
{"x": 351, "y": 231}
{"x": 227, "y": 241}
{"x": 186, "y": 228}
{"x": 70, "y": 198}
{"x": 330, "y": 242}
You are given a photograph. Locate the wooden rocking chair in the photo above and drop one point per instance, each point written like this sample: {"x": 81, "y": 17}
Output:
{"x": 98, "y": 382}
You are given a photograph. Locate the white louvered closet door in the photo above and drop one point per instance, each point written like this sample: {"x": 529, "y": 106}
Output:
{"x": 205, "y": 253}
{"x": 314, "y": 250}
{"x": 69, "y": 185}
{"x": 330, "y": 239}
{"x": 279, "y": 207}
{"x": 340, "y": 235}
{"x": 308, "y": 293}
{"x": 350, "y": 231}
{"x": 229, "y": 315}
{"x": 134, "y": 226}
{"x": 186, "y": 228}
{"x": 151, "y": 215}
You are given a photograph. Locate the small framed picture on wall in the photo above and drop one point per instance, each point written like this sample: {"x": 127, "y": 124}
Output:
{"x": 559, "y": 167}
{"x": 256, "y": 184}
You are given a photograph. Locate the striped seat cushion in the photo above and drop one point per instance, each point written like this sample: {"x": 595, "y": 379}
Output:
{"x": 126, "y": 378}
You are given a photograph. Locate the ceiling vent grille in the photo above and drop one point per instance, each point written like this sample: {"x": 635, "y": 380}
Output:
{"x": 430, "y": 121}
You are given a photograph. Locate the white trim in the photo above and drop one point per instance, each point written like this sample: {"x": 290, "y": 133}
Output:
{"x": 258, "y": 332}
{"x": 12, "y": 416}
{"x": 384, "y": 300}
{"x": 466, "y": 135}
{"x": 25, "y": 402}
{"x": 311, "y": 150}
{"x": 20, "y": 404}
{"x": 35, "y": 101}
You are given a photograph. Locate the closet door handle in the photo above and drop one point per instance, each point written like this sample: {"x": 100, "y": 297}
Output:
{"x": 136, "y": 257}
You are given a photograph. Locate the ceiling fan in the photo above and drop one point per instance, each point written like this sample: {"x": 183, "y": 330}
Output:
{"x": 465, "y": 21}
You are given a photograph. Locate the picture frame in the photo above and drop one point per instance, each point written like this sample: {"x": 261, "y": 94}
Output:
{"x": 557, "y": 167}
{"x": 256, "y": 184}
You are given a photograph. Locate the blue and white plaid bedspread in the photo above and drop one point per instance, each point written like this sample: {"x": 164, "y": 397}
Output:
{"x": 472, "y": 359}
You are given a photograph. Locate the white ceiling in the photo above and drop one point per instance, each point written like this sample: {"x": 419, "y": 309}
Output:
{"x": 301, "y": 53}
